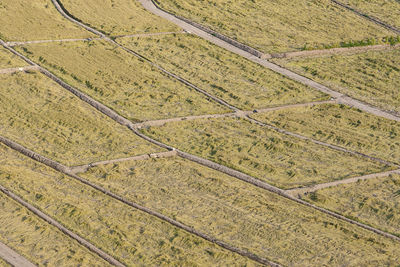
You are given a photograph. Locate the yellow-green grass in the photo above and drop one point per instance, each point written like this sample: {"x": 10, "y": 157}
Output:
{"x": 374, "y": 202}
{"x": 22, "y": 20}
{"x": 120, "y": 17}
{"x": 281, "y": 25}
{"x": 238, "y": 81}
{"x": 278, "y": 159}
{"x": 3, "y": 263}
{"x": 387, "y": 10}
{"x": 121, "y": 81}
{"x": 9, "y": 60}
{"x": 343, "y": 126}
{"x": 372, "y": 76}
{"x": 131, "y": 236}
{"x": 38, "y": 241}
{"x": 42, "y": 116}
{"x": 241, "y": 214}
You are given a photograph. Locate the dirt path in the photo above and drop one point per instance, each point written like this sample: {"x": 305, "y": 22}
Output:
{"x": 305, "y": 190}
{"x": 258, "y": 57}
{"x": 13, "y": 258}
{"x": 50, "y": 41}
{"x": 85, "y": 168}
{"x": 149, "y": 34}
{"x": 13, "y": 70}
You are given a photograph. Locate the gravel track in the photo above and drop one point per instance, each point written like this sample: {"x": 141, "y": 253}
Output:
{"x": 13, "y": 258}
{"x": 13, "y": 70}
{"x": 305, "y": 190}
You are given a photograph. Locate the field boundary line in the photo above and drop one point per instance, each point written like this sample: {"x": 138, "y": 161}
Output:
{"x": 18, "y": 69}
{"x": 309, "y": 189}
{"x": 66, "y": 170}
{"x": 11, "y": 44}
{"x": 60, "y": 227}
{"x": 12, "y": 257}
{"x": 148, "y": 34}
{"x": 86, "y": 167}
{"x": 255, "y": 56}
{"x": 368, "y": 17}
{"x": 123, "y": 121}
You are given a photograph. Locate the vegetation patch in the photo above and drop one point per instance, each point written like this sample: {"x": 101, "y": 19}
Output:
{"x": 373, "y": 76}
{"x": 374, "y": 201}
{"x": 238, "y": 81}
{"x": 278, "y": 159}
{"x": 123, "y": 82}
{"x": 22, "y": 20}
{"x": 281, "y": 25}
{"x": 40, "y": 115}
{"x": 9, "y": 60}
{"x": 343, "y": 126}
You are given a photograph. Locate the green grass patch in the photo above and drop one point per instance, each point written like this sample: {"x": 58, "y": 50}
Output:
{"x": 278, "y": 159}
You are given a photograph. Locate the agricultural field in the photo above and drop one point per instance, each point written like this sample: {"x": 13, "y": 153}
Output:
{"x": 343, "y": 126}
{"x": 374, "y": 201}
{"x": 9, "y": 60}
{"x": 217, "y": 204}
{"x": 279, "y": 26}
{"x": 128, "y": 234}
{"x": 35, "y": 20}
{"x": 122, "y": 17}
{"x": 33, "y": 112}
{"x": 284, "y": 161}
{"x": 372, "y": 77}
{"x": 387, "y": 11}
{"x": 239, "y": 82}
{"x": 121, "y": 81}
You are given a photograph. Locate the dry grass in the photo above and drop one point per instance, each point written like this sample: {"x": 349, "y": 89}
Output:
{"x": 22, "y": 20}
{"x": 246, "y": 216}
{"x": 39, "y": 114}
{"x": 387, "y": 11}
{"x": 373, "y": 77}
{"x": 3, "y": 263}
{"x": 131, "y": 236}
{"x": 9, "y": 60}
{"x": 238, "y": 81}
{"x": 278, "y": 159}
{"x": 117, "y": 17}
{"x": 343, "y": 126}
{"x": 121, "y": 81}
{"x": 374, "y": 202}
{"x": 281, "y": 25}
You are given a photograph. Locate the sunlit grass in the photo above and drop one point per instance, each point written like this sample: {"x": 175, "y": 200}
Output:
{"x": 9, "y": 60}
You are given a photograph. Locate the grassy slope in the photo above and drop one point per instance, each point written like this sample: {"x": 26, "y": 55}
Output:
{"x": 375, "y": 201}
{"x": 372, "y": 77}
{"x": 130, "y": 235}
{"x": 278, "y": 159}
{"x": 238, "y": 81}
{"x": 9, "y": 60}
{"x": 241, "y": 214}
{"x": 118, "y": 17}
{"x": 121, "y": 81}
{"x": 278, "y": 26}
{"x": 387, "y": 11}
{"x": 343, "y": 126}
{"x": 39, "y": 114}
{"x": 35, "y": 20}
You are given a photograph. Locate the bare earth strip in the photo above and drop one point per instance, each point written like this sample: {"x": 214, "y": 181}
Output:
{"x": 258, "y": 58}
{"x": 244, "y": 177}
{"x": 13, "y": 70}
{"x": 305, "y": 190}
{"x": 150, "y": 34}
{"x": 13, "y": 257}
{"x": 85, "y": 168}
{"x": 50, "y": 41}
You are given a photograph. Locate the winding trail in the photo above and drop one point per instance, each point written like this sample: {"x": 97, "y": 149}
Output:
{"x": 19, "y": 69}
{"x": 66, "y": 170}
{"x": 259, "y": 58}
{"x": 123, "y": 121}
{"x": 13, "y": 258}
{"x": 305, "y": 190}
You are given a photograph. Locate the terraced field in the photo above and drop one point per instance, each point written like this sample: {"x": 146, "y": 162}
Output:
{"x": 372, "y": 77}
{"x": 131, "y": 137}
{"x": 239, "y": 82}
{"x": 35, "y": 20}
{"x": 343, "y": 126}
{"x": 279, "y": 26}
